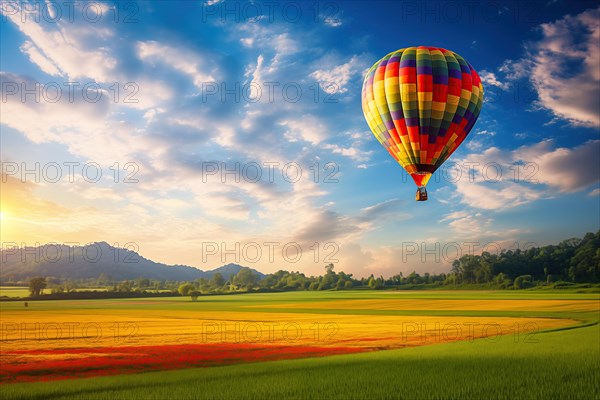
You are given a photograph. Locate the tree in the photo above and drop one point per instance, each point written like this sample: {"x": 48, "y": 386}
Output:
{"x": 194, "y": 295}
{"x": 125, "y": 286}
{"x": 70, "y": 286}
{"x": 329, "y": 269}
{"x": 245, "y": 278}
{"x": 143, "y": 282}
{"x": 523, "y": 281}
{"x": 585, "y": 263}
{"x": 37, "y": 286}
{"x": 104, "y": 279}
{"x": 185, "y": 289}
{"x": 372, "y": 282}
{"x": 204, "y": 285}
{"x": 413, "y": 278}
{"x": 57, "y": 290}
{"x": 502, "y": 280}
{"x": 324, "y": 285}
{"x": 217, "y": 280}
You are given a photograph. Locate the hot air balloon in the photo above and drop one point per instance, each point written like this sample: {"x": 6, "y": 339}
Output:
{"x": 421, "y": 103}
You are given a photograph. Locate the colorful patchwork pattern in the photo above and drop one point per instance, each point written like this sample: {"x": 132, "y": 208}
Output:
{"x": 421, "y": 103}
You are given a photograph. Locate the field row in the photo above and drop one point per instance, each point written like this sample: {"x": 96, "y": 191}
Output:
{"x": 60, "y": 339}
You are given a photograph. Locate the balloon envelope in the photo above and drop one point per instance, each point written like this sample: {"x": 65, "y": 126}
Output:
{"x": 421, "y": 103}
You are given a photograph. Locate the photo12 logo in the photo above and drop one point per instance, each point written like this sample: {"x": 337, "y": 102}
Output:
{"x": 253, "y": 252}
{"x": 73, "y": 171}
{"x": 71, "y": 92}
{"x": 468, "y": 12}
{"x": 491, "y": 172}
{"x": 88, "y": 332}
{"x": 268, "y": 171}
{"x": 287, "y": 12}
{"x": 269, "y": 92}
{"x": 451, "y": 251}
{"x": 268, "y": 332}
{"x": 441, "y": 332}
{"x": 68, "y": 11}
{"x": 70, "y": 252}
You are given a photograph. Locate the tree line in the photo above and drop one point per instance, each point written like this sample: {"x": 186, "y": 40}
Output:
{"x": 571, "y": 261}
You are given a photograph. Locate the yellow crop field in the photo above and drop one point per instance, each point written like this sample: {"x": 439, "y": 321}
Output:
{"x": 462, "y": 305}
{"x": 136, "y": 325}
{"x": 94, "y": 337}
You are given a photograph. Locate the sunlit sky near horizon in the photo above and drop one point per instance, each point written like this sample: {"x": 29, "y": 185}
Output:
{"x": 275, "y": 87}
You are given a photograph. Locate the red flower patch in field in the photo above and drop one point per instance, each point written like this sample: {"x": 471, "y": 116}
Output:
{"x": 38, "y": 365}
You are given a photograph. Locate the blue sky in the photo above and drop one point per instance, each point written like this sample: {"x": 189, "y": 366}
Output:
{"x": 178, "y": 88}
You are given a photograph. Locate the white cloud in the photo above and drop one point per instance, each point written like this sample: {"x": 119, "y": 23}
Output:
{"x": 354, "y": 152}
{"x": 185, "y": 61}
{"x": 379, "y": 210}
{"x": 594, "y": 193}
{"x": 51, "y": 9}
{"x": 480, "y": 140}
{"x": 248, "y": 42}
{"x": 455, "y": 215}
{"x": 489, "y": 78}
{"x": 275, "y": 42}
{"x": 257, "y": 82}
{"x": 474, "y": 232}
{"x": 147, "y": 93}
{"x": 474, "y": 145}
{"x": 169, "y": 136}
{"x": 335, "y": 79}
{"x": 94, "y": 133}
{"x": 563, "y": 68}
{"x": 36, "y": 57}
{"x": 334, "y": 22}
{"x": 507, "y": 179}
{"x": 225, "y": 203}
{"x": 307, "y": 128}
{"x": 471, "y": 225}
{"x": 514, "y": 70}
{"x": 568, "y": 170}
{"x": 63, "y": 49}
{"x": 502, "y": 196}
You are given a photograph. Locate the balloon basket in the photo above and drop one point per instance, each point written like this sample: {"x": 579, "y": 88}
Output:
{"x": 421, "y": 194}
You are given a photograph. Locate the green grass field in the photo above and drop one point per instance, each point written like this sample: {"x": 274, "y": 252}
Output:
{"x": 20, "y": 291}
{"x": 555, "y": 363}
{"x": 14, "y": 291}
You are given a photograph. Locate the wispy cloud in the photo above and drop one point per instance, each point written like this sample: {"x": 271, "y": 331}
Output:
{"x": 335, "y": 78}
{"x": 75, "y": 49}
{"x": 176, "y": 126}
{"x": 507, "y": 179}
{"x": 490, "y": 78}
{"x": 563, "y": 68}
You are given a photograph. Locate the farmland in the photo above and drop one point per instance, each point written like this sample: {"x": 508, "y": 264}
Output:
{"x": 21, "y": 291}
{"x": 347, "y": 343}
{"x": 14, "y": 291}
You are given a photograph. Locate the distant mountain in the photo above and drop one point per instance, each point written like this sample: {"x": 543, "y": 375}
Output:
{"x": 93, "y": 260}
{"x": 229, "y": 269}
